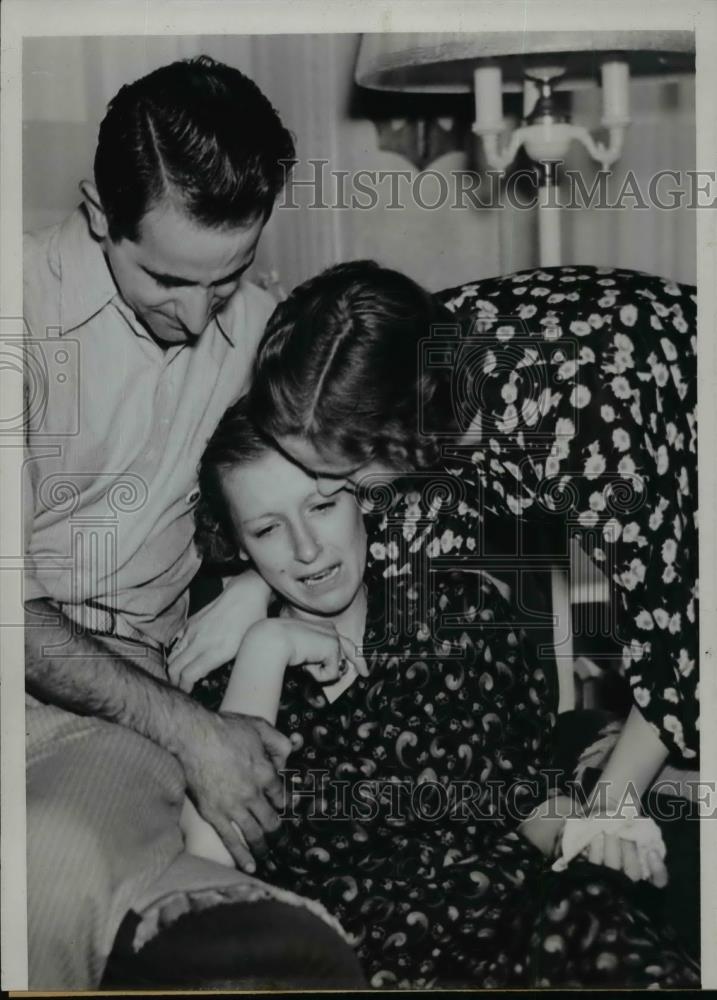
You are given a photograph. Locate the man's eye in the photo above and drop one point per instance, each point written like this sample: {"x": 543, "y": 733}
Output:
{"x": 326, "y": 505}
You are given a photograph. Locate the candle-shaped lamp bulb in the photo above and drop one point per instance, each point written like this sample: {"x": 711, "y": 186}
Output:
{"x": 615, "y": 92}
{"x": 489, "y": 99}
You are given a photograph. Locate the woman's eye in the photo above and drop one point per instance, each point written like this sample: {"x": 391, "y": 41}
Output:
{"x": 262, "y": 532}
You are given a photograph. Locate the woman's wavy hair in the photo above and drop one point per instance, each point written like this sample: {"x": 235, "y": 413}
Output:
{"x": 339, "y": 365}
{"x": 235, "y": 442}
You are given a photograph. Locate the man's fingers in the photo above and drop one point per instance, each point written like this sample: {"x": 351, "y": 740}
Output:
{"x": 277, "y": 746}
{"x": 250, "y": 829}
{"x": 235, "y": 843}
{"x": 275, "y": 792}
{"x": 265, "y": 815}
{"x": 270, "y": 790}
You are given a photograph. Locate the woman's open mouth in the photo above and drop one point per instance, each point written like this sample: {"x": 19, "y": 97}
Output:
{"x": 322, "y": 576}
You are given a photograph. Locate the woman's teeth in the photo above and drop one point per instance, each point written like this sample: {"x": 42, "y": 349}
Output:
{"x": 316, "y": 578}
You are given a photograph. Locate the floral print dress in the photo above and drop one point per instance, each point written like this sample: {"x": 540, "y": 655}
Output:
{"x": 585, "y": 383}
{"x": 410, "y": 786}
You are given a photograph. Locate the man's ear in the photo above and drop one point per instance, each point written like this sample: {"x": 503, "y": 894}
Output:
{"x": 95, "y": 211}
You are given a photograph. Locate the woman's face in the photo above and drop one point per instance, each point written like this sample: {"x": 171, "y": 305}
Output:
{"x": 331, "y": 473}
{"x": 311, "y": 549}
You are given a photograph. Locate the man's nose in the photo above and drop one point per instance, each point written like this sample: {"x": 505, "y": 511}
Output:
{"x": 306, "y": 547}
{"x": 194, "y": 310}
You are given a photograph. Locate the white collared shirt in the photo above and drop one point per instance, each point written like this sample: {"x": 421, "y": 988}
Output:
{"x": 116, "y": 436}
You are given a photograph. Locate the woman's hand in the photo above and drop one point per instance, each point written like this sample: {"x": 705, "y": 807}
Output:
{"x": 272, "y": 645}
{"x": 289, "y": 642}
{"x": 601, "y": 837}
{"x": 638, "y": 756}
{"x": 621, "y": 840}
{"x": 623, "y": 855}
{"x": 213, "y": 635}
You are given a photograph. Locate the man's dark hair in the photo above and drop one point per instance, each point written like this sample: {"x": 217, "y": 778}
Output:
{"x": 197, "y": 132}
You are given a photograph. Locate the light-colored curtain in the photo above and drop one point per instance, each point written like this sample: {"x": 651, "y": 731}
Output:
{"x": 68, "y": 81}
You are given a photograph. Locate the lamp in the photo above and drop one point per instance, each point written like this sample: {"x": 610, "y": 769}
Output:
{"x": 539, "y": 64}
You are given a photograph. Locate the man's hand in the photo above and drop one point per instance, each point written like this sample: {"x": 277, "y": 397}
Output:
{"x": 213, "y": 635}
{"x": 231, "y": 763}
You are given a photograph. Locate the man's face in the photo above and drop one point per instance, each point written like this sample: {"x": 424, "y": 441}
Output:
{"x": 179, "y": 274}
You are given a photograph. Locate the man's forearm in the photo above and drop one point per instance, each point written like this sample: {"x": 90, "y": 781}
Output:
{"x": 93, "y": 682}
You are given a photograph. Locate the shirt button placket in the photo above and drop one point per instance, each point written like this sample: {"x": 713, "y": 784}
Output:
{"x": 161, "y": 420}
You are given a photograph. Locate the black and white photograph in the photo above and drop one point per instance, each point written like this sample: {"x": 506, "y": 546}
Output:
{"x": 351, "y": 363}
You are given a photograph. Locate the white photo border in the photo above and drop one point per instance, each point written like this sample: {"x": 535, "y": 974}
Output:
{"x": 24, "y": 18}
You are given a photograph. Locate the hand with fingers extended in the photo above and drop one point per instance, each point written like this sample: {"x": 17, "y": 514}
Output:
{"x": 631, "y": 844}
{"x": 621, "y": 852}
{"x": 214, "y": 634}
{"x": 231, "y": 763}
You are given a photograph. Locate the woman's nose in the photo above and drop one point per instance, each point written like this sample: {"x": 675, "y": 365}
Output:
{"x": 306, "y": 546}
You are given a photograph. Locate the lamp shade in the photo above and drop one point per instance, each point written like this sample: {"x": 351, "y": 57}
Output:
{"x": 444, "y": 63}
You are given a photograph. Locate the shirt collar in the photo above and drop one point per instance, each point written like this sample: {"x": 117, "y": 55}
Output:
{"x": 87, "y": 284}
{"x": 224, "y": 329}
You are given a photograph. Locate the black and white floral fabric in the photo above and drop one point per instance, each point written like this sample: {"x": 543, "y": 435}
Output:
{"x": 410, "y": 788}
{"x": 585, "y": 381}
